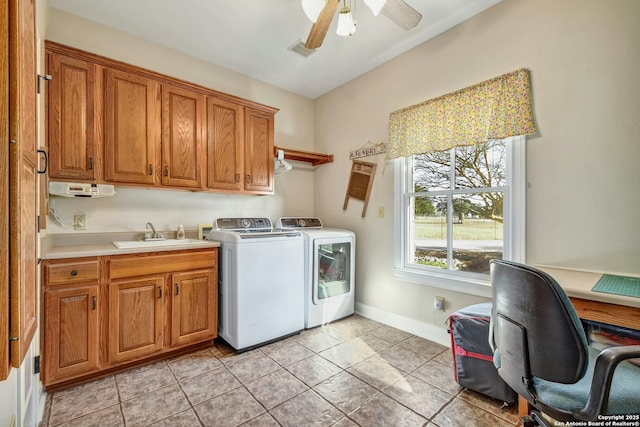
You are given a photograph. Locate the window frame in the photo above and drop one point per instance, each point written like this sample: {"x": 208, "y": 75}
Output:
{"x": 514, "y": 241}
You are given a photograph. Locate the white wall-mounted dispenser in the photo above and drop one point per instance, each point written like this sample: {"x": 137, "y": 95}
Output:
{"x": 82, "y": 189}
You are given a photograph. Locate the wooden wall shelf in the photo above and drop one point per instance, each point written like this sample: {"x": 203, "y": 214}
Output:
{"x": 304, "y": 156}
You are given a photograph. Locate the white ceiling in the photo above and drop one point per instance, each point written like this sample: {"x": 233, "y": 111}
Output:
{"x": 251, "y": 37}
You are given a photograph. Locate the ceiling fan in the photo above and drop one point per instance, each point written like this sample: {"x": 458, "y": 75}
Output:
{"x": 321, "y": 13}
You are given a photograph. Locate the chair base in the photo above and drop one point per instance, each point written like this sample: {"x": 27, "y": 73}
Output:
{"x": 534, "y": 419}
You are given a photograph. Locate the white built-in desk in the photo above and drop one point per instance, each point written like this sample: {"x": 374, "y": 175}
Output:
{"x": 618, "y": 310}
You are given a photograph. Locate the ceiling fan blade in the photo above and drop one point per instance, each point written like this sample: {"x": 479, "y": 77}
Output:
{"x": 402, "y": 14}
{"x": 320, "y": 27}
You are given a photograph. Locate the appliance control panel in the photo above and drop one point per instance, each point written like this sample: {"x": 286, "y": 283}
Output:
{"x": 243, "y": 223}
{"x": 293, "y": 222}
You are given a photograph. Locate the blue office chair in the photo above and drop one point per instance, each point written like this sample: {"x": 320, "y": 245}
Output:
{"x": 541, "y": 351}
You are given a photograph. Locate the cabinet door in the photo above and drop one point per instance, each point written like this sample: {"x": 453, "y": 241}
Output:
{"x": 132, "y": 128}
{"x": 259, "y": 152}
{"x": 225, "y": 145}
{"x": 182, "y": 112}
{"x": 22, "y": 163}
{"x": 70, "y": 332}
{"x": 194, "y": 306}
{"x": 71, "y": 103}
{"x": 135, "y": 318}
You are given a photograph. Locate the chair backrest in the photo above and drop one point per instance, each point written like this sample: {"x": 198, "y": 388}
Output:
{"x": 536, "y": 331}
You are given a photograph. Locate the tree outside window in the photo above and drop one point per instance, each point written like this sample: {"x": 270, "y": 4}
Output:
{"x": 455, "y": 203}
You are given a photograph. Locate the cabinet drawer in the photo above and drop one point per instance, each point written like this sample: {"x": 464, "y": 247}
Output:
{"x": 72, "y": 272}
{"x": 144, "y": 264}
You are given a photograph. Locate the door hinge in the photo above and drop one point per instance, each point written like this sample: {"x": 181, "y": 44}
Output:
{"x": 45, "y": 78}
{"x": 36, "y": 365}
{"x": 38, "y": 224}
{"x": 13, "y": 338}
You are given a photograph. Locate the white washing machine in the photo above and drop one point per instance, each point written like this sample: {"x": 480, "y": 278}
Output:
{"x": 329, "y": 266}
{"x": 261, "y": 281}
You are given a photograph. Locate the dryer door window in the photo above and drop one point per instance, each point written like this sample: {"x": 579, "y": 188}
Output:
{"x": 332, "y": 270}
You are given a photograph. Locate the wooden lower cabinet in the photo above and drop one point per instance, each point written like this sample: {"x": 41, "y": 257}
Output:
{"x": 111, "y": 312}
{"x": 193, "y": 306}
{"x": 71, "y": 331}
{"x": 135, "y": 318}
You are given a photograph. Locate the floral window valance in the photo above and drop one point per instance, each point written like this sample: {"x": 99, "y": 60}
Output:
{"x": 494, "y": 109}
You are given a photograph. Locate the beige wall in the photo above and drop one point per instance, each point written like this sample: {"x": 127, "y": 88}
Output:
{"x": 582, "y": 165}
{"x": 130, "y": 209}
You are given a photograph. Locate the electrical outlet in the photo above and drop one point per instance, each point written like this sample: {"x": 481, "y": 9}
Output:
{"x": 438, "y": 303}
{"x": 79, "y": 222}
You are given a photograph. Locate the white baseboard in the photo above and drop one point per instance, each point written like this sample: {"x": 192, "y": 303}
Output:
{"x": 415, "y": 327}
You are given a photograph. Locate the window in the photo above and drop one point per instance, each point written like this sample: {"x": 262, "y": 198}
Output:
{"x": 457, "y": 210}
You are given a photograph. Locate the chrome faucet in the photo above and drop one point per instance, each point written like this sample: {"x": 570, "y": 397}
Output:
{"x": 154, "y": 235}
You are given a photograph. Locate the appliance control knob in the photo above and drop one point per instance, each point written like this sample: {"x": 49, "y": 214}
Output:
{"x": 246, "y": 223}
{"x": 302, "y": 222}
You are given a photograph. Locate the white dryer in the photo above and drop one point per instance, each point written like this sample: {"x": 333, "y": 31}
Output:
{"x": 329, "y": 269}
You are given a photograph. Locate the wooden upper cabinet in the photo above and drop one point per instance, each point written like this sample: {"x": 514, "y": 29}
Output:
{"x": 182, "y": 117}
{"x": 71, "y": 107}
{"x": 132, "y": 128}
{"x": 258, "y": 151}
{"x": 116, "y": 123}
{"x": 225, "y": 145}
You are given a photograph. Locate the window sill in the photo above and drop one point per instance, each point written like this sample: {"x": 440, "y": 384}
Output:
{"x": 478, "y": 287}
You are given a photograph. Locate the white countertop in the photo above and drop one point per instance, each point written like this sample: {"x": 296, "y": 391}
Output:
{"x": 578, "y": 284}
{"x": 75, "y": 245}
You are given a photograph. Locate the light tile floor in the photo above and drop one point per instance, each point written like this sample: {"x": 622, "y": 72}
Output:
{"x": 352, "y": 372}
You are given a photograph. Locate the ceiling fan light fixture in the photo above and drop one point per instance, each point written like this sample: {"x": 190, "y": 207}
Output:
{"x": 346, "y": 26}
{"x": 312, "y": 8}
{"x": 375, "y": 5}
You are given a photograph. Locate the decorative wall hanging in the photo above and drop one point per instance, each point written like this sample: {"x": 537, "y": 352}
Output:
{"x": 369, "y": 150}
{"x": 360, "y": 182}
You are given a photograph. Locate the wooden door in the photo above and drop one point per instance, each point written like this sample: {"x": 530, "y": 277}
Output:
{"x": 22, "y": 178}
{"x": 194, "y": 306}
{"x": 70, "y": 331}
{"x": 71, "y": 118}
{"x": 132, "y": 128}
{"x": 4, "y": 193}
{"x": 135, "y": 317}
{"x": 225, "y": 145}
{"x": 182, "y": 112}
{"x": 259, "y": 152}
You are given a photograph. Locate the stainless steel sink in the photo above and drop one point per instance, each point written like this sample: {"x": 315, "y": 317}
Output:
{"x": 154, "y": 243}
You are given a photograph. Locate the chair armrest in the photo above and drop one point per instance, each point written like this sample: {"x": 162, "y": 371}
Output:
{"x": 605, "y": 366}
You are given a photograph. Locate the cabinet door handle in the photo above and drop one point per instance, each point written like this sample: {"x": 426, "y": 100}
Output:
{"x": 237, "y": 177}
{"x": 177, "y": 289}
{"x": 248, "y": 179}
{"x": 46, "y": 162}
{"x": 150, "y": 169}
{"x": 74, "y": 272}
{"x": 160, "y": 289}
{"x": 90, "y": 163}
{"x": 93, "y": 302}
{"x": 166, "y": 170}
